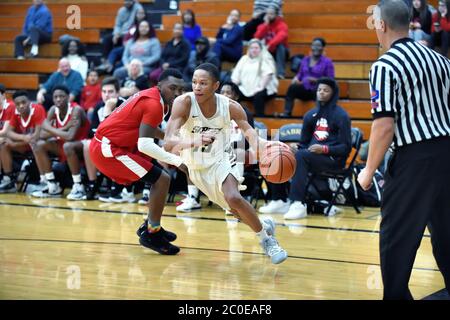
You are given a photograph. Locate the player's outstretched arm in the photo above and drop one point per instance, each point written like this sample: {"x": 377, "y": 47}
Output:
{"x": 180, "y": 113}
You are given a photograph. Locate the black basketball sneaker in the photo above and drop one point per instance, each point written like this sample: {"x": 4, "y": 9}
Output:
{"x": 170, "y": 236}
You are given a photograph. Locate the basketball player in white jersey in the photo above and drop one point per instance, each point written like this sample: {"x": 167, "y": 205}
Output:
{"x": 199, "y": 129}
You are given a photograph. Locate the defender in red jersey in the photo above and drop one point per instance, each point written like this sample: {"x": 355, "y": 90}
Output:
{"x": 20, "y": 134}
{"x": 123, "y": 149}
{"x": 65, "y": 122}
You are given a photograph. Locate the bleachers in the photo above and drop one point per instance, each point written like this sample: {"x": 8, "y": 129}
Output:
{"x": 343, "y": 23}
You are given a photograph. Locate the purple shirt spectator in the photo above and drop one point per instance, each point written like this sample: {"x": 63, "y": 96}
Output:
{"x": 323, "y": 68}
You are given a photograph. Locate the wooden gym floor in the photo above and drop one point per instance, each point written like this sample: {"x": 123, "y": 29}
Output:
{"x": 57, "y": 249}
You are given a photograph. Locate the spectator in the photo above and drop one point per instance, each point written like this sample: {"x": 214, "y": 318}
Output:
{"x": 175, "y": 54}
{"x": 135, "y": 80}
{"x": 201, "y": 55}
{"x": 63, "y": 76}
{"x": 191, "y": 30}
{"x": 441, "y": 27}
{"x": 325, "y": 143}
{"x": 91, "y": 93}
{"x": 124, "y": 20}
{"x": 228, "y": 45}
{"x": 274, "y": 32}
{"x": 37, "y": 29}
{"x": 304, "y": 84}
{"x": 115, "y": 56}
{"x": 21, "y": 134}
{"x": 73, "y": 50}
{"x": 255, "y": 76}
{"x": 420, "y": 26}
{"x": 259, "y": 10}
{"x": 144, "y": 46}
{"x": 66, "y": 123}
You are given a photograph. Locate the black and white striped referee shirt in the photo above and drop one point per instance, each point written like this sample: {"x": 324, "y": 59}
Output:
{"x": 411, "y": 83}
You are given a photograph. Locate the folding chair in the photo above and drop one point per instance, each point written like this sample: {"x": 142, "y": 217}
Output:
{"x": 341, "y": 175}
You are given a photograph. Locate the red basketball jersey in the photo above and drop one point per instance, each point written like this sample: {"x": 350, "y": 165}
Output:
{"x": 6, "y": 112}
{"x": 122, "y": 126}
{"x": 57, "y": 122}
{"x": 25, "y": 126}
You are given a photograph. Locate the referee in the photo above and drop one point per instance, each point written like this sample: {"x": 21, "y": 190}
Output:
{"x": 411, "y": 109}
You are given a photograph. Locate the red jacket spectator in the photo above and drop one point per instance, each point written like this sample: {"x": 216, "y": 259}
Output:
{"x": 445, "y": 24}
{"x": 274, "y": 33}
{"x": 91, "y": 96}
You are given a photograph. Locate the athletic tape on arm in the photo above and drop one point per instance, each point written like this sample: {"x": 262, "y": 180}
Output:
{"x": 150, "y": 148}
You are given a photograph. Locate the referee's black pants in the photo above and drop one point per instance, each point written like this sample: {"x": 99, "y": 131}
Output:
{"x": 416, "y": 194}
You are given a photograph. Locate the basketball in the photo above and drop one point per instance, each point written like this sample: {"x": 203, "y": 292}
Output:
{"x": 277, "y": 163}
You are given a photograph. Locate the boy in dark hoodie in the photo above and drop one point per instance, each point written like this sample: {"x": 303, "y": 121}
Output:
{"x": 202, "y": 54}
{"x": 325, "y": 143}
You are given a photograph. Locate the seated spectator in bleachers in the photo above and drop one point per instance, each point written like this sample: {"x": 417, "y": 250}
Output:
{"x": 114, "y": 60}
{"x": 274, "y": 33}
{"x": 73, "y": 50}
{"x": 191, "y": 30}
{"x": 304, "y": 84}
{"x": 420, "y": 26}
{"x": 228, "y": 43}
{"x": 37, "y": 29}
{"x": 91, "y": 93}
{"x": 202, "y": 54}
{"x": 255, "y": 75}
{"x": 325, "y": 143}
{"x": 441, "y": 27}
{"x": 124, "y": 20}
{"x": 136, "y": 80}
{"x": 110, "y": 100}
{"x": 63, "y": 76}
{"x": 144, "y": 46}
{"x": 21, "y": 134}
{"x": 66, "y": 123}
{"x": 175, "y": 54}
{"x": 259, "y": 10}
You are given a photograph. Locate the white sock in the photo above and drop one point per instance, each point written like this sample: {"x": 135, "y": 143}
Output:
{"x": 262, "y": 234}
{"x": 76, "y": 178}
{"x": 34, "y": 49}
{"x": 6, "y": 179}
{"x": 192, "y": 191}
{"x": 42, "y": 179}
{"x": 50, "y": 176}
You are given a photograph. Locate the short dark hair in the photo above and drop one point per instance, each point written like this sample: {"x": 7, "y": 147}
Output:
{"x": 93, "y": 70}
{"x": 328, "y": 81}
{"x": 111, "y": 80}
{"x": 62, "y": 88}
{"x": 2, "y": 88}
{"x": 170, "y": 72}
{"x": 20, "y": 93}
{"x": 322, "y": 40}
{"x": 211, "y": 69}
{"x": 233, "y": 86}
{"x": 395, "y": 13}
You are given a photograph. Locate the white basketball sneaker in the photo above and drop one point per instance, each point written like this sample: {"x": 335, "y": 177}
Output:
{"x": 188, "y": 205}
{"x": 297, "y": 210}
{"x": 275, "y": 206}
{"x": 273, "y": 250}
